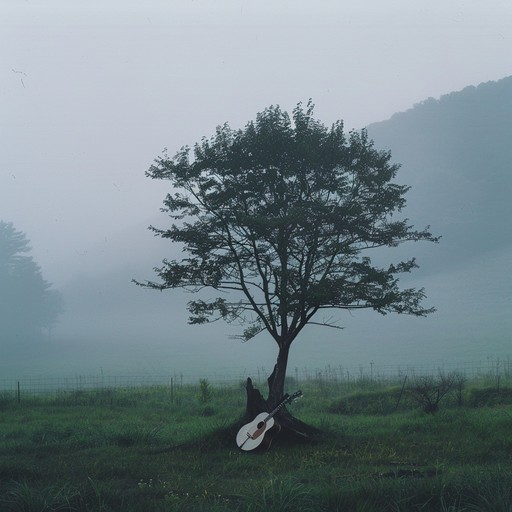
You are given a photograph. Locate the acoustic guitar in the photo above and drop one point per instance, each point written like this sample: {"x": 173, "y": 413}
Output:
{"x": 252, "y": 435}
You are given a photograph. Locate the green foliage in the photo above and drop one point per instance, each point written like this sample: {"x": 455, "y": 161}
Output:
{"x": 493, "y": 494}
{"x": 281, "y": 496}
{"x": 205, "y": 391}
{"x": 490, "y": 396}
{"x": 23, "y": 497}
{"x": 280, "y": 213}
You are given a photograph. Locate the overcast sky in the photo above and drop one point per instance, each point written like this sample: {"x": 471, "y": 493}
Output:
{"x": 92, "y": 91}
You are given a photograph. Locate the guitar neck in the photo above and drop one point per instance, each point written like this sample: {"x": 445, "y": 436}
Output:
{"x": 277, "y": 408}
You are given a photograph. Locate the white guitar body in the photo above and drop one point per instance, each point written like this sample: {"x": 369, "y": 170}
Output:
{"x": 251, "y": 435}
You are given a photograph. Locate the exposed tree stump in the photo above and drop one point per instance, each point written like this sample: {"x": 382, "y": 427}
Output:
{"x": 255, "y": 401}
{"x": 292, "y": 430}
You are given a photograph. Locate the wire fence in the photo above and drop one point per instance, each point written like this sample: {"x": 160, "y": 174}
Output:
{"x": 493, "y": 370}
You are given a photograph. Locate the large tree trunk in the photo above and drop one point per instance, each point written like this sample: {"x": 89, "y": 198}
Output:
{"x": 291, "y": 428}
{"x": 277, "y": 377}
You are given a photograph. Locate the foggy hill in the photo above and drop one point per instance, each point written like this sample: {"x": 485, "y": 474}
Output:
{"x": 456, "y": 154}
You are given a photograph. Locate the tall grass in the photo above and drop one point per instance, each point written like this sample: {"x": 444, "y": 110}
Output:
{"x": 143, "y": 449}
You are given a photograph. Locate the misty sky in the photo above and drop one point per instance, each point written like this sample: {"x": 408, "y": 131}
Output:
{"x": 92, "y": 91}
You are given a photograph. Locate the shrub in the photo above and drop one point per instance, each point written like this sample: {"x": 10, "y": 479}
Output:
{"x": 205, "y": 391}
{"x": 488, "y": 397}
{"x": 428, "y": 391}
{"x": 372, "y": 402}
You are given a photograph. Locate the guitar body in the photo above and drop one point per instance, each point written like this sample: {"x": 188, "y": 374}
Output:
{"x": 255, "y": 433}
{"x": 259, "y": 432}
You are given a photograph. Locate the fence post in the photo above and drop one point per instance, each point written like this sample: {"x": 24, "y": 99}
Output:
{"x": 401, "y": 393}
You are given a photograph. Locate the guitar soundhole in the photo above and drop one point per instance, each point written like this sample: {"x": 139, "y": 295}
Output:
{"x": 260, "y": 424}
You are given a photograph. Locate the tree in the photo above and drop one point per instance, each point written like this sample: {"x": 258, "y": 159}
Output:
{"x": 27, "y": 302}
{"x": 281, "y": 214}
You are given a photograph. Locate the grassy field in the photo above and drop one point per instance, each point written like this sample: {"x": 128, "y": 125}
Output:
{"x": 135, "y": 450}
